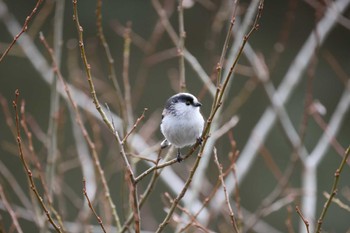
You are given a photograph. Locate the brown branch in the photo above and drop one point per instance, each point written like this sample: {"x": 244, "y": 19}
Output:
{"x": 27, "y": 169}
{"x": 132, "y": 187}
{"x": 134, "y": 126}
{"x": 145, "y": 194}
{"x": 10, "y": 211}
{"x": 112, "y": 74}
{"x": 306, "y": 222}
{"x": 24, "y": 29}
{"x": 90, "y": 143}
{"x": 99, "y": 220}
{"x": 333, "y": 191}
{"x": 210, "y": 196}
{"x": 187, "y": 212}
{"x": 221, "y": 177}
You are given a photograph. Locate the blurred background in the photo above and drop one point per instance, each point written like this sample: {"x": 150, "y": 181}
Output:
{"x": 153, "y": 76}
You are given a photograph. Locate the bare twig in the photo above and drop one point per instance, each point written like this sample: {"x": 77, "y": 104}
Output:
{"x": 24, "y": 28}
{"x": 99, "y": 220}
{"x": 88, "y": 67}
{"x": 52, "y": 131}
{"x": 85, "y": 134}
{"x": 221, "y": 177}
{"x": 333, "y": 191}
{"x": 216, "y": 105}
{"x": 181, "y": 46}
{"x": 288, "y": 222}
{"x": 306, "y": 222}
{"x": 10, "y": 211}
{"x": 188, "y": 56}
{"x": 28, "y": 171}
{"x": 37, "y": 164}
{"x": 144, "y": 195}
{"x": 112, "y": 74}
{"x": 127, "y": 88}
{"x": 134, "y": 126}
{"x": 337, "y": 201}
{"x": 132, "y": 186}
{"x": 290, "y": 81}
{"x": 187, "y": 212}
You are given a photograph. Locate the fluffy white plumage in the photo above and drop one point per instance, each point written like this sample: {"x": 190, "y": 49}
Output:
{"x": 182, "y": 123}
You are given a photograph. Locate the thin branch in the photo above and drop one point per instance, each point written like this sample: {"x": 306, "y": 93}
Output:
{"x": 10, "y": 211}
{"x": 112, "y": 74}
{"x": 132, "y": 187}
{"x": 306, "y": 222}
{"x": 99, "y": 220}
{"x": 188, "y": 56}
{"x": 28, "y": 171}
{"x": 188, "y": 213}
{"x": 165, "y": 164}
{"x": 88, "y": 67}
{"x": 85, "y": 134}
{"x": 127, "y": 88}
{"x": 24, "y": 29}
{"x": 333, "y": 191}
{"x": 181, "y": 46}
{"x": 221, "y": 177}
{"x": 292, "y": 78}
{"x": 337, "y": 201}
{"x": 144, "y": 195}
{"x": 134, "y": 126}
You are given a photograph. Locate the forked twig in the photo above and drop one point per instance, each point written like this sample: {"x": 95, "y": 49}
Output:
{"x": 84, "y": 132}
{"x": 134, "y": 126}
{"x": 306, "y": 222}
{"x": 333, "y": 191}
{"x": 221, "y": 177}
{"x": 216, "y": 105}
{"x": 27, "y": 169}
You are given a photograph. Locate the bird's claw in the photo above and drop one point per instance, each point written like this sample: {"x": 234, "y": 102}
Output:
{"x": 178, "y": 156}
{"x": 200, "y": 140}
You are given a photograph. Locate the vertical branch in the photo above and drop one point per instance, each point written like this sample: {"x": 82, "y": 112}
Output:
{"x": 216, "y": 105}
{"x": 226, "y": 43}
{"x": 99, "y": 220}
{"x": 333, "y": 191}
{"x": 181, "y": 46}
{"x": 144, "y": 195}
{"x": 221, "y": 177}
{"x": 132, "y": 186}
{"x": 305, "y": 221}
{"x": 85, "y": 134}
{"x": 88, "y": 67}
{"x": 27, "y": 169}
{"x": 126, "y": 61}
{"x": 111, "y": 70}
{"x": 54, "y": 101}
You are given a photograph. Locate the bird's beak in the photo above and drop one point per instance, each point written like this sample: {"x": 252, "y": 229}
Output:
{"x": 198, "y": 104}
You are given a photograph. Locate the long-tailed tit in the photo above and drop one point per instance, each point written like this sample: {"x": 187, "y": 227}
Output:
{"x": 182, "y": 123}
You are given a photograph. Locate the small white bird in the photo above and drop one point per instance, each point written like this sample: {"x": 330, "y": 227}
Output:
{"x": 182, "y": 123}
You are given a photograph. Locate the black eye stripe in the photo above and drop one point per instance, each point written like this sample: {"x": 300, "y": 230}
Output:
{"x": 180, "y": 98}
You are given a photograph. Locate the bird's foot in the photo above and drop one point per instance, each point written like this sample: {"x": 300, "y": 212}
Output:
{"x": 200, "y": 140}
{"x": 178, "y": 156}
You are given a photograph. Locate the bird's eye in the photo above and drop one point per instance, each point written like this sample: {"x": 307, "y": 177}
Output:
{"x": 188, "y": 102}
